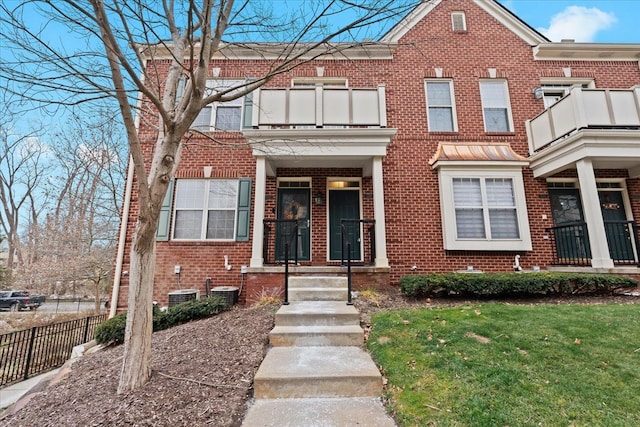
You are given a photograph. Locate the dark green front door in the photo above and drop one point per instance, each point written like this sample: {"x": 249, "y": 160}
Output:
{"x": 344, "y": 204}
{"x": 619, "y": 238}
{"x": 293, "y": 204}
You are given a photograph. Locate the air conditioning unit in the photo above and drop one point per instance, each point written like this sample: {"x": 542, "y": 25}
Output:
{"x": 182, "y": 295}
{"x": 229, "y": 294}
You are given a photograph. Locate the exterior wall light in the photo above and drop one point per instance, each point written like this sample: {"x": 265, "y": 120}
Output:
{"x": 318, "y": 199}
{"x": 538, "y": 93}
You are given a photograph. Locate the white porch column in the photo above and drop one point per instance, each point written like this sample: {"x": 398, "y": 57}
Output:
{"x": 600, "y": 257}
{"x": 378, "y": 211}
{"x": 258, "y": 213}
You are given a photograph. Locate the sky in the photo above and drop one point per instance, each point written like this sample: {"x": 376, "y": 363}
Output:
{"x": 598, "y": 21}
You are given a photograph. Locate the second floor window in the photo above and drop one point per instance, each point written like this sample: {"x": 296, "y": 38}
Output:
{"x": 220, "y": 116}
{"x": 441, "y": 112}
{"x": 495, "y": 106}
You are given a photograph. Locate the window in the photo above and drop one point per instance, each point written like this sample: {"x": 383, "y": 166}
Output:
{"x": 220, "y": 116}
{"x": 554, "y": 92}
{"x": 458, "y": 21}
{"x": 484, "y": 210}
{"x": 495, "y": 106}
{"x": 205, "y": 209}
{"x": 441, "y": 113}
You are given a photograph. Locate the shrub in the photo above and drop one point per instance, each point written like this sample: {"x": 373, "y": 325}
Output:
{"x": 112, "y": 331}
{"x": 502, "y": 284}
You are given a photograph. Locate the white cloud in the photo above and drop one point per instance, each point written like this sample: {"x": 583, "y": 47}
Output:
{"x": 578, "y": 23}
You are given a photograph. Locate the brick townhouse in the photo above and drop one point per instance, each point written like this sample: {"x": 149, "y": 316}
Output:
{"x": 460, "y": 140}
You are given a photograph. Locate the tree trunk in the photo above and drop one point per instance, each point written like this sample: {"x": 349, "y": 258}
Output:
{"x": 136, "y": 364}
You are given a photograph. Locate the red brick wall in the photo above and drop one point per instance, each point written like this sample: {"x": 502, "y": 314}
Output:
{"x": 412, "y": 200}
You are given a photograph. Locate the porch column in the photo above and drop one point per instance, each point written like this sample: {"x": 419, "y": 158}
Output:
{"x": 258, "y": 213}
{"x": 600, "y": 257}
{"x": 378, "y": 212}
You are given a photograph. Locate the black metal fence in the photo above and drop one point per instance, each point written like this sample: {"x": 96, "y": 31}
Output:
{"x": 40, "y": 349}
{"x": 571, "y": 246}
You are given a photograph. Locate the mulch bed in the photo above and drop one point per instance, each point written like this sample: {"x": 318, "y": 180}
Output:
{"x": 202, "y": 375}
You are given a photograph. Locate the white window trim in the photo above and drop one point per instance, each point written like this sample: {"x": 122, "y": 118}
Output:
{"x": 449, "y": 234}
{"x": 205, "y": 209}
{"x": 507, "y": 101}
{"x": 454, "y": 113}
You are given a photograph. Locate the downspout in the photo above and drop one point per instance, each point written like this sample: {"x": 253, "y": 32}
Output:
{"x": 122, "y": 238}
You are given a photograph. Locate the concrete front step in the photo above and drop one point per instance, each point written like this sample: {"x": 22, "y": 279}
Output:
{"x": 317, "y": 282}
{"x": 317, "y": 313}
{"x": 316, "y": 336}
{"x": 325, "y": 412}
{"x": 318, "y": 294}
{"x": 300, "y": 372}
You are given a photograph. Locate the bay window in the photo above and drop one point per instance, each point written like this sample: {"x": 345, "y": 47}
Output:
{"x": 484, "y": 209}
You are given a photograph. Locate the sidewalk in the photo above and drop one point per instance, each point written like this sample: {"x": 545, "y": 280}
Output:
{"x": 11, "y": 394}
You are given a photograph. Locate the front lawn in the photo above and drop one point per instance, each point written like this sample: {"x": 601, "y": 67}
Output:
{"x": 511, "y": 365}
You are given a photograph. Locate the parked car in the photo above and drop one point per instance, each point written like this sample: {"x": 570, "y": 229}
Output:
{"x": 20, "y": 300}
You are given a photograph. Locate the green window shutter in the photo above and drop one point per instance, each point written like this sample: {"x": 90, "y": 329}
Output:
{"x": 244, "y": 210}
{"x": 248, "y": 108}
{"x": 162, "y": 234}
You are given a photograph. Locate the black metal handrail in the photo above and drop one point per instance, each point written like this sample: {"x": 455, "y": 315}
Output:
{"x": 349, "y": 302}
{"x": 570, "y": 243}
{"x": 277, "y": 234}
{"x": 349, "y": 237}
{"x": 622, "y": 239}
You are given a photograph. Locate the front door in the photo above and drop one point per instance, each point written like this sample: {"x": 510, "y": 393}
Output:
{"x": 570, "y": 232}
{"x": 619, "y": 232}
{"x": 293, "y": 205}
{"x": 344, "y": 204}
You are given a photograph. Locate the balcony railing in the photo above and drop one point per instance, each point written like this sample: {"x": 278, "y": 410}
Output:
{"x": 319, "y": 107}
{"x": 585, "y": 108}
{"x": 570, "y": 243}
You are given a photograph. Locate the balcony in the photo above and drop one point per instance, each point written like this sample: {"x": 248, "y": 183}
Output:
{"x": 319, "y": 127}
{"x": 318, "y": 107}
{"x": 600, "y": 124}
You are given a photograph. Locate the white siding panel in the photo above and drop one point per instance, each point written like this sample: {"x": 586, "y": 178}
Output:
{"x": 365, "y": 107}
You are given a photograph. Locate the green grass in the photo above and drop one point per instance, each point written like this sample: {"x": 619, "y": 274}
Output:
{"x": 511, "y": 365}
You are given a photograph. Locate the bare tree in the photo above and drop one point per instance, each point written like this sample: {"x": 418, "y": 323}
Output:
{"x": 22, "y": 168}
{"x": 76, "y": 239}
{"x": 132, "y": 32}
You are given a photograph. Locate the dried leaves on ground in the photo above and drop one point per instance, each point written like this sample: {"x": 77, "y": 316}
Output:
{"x": 202, "y": 375}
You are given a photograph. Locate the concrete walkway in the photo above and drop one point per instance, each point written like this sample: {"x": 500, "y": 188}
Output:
{"x": 11, "y": 394}
{"x": 317, "y": 373}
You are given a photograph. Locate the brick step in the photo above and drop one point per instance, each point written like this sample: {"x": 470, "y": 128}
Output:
{"x": 327, "y": 412}
{"x": 301, "y": 372}
{"x": 317, "y": 313}
{"x": 317, "y": 294}
{"x": 316, "y": 336}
